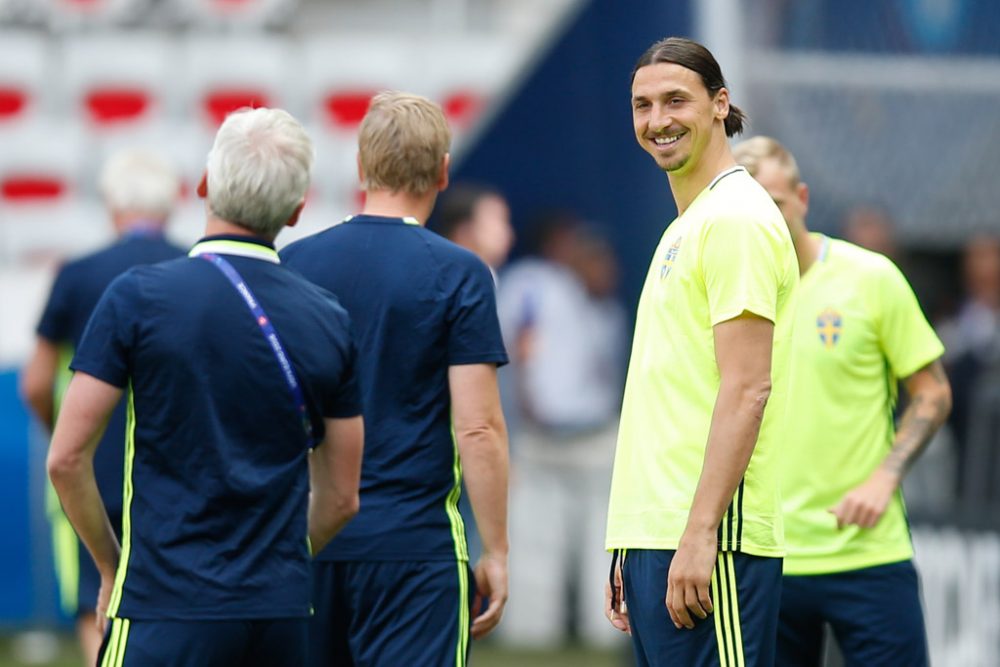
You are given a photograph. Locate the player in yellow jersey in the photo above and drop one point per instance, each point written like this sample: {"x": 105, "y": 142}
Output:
{"x": 694, "y": 505}
{"x": 858, "y": 332}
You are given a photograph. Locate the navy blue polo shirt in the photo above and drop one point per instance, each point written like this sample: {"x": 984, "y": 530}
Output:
{"x": 216, "y": 472}
{"x": 77, "y": 288}
{"x": 419, "y": 304}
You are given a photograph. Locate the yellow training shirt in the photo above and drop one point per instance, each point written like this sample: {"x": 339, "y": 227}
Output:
{"x": 858, "y": 330}
{"x": 728, "y": 253}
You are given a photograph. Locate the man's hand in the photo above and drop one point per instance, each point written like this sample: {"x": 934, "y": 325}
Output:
{"x": 618, "y": 616}
{"x": 689, "y": 578}
{"x": 491, "y": 582}
{"x": 865, "y": 504}
{"x": 103, "y": 599}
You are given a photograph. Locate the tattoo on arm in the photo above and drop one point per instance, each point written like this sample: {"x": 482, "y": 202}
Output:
{"x": 921, "y": 420}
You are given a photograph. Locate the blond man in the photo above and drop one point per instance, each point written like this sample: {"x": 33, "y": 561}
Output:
{"x": 395, "y": 588}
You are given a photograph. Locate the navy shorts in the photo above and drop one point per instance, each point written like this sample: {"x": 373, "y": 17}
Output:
{"x": 745, "y": 591}
{"x": 874, "y": 613}
{"x": 391, "y": 613}
{"x": 248, "y": 643}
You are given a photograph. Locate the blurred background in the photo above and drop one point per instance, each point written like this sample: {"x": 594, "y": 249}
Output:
{"x": 892, "y": 109}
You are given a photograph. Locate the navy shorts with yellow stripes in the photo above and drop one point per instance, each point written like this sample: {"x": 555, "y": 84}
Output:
{"x": 243, "y": 643}
{"x": 406, "y": 613}
{"x": 746, "y": 594}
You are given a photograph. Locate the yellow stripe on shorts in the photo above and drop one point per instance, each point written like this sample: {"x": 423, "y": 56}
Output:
{"x": 728, "y": 631}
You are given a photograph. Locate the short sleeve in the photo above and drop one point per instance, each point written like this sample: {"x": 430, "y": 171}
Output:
{"x": 906, "y": 337}
{"x": 344, "y": 400}
{"x": 474, "y": 329}
{"x": 742, "y": 268}
{"x": 106, "y": 348}
{"x": 55, "y": 324}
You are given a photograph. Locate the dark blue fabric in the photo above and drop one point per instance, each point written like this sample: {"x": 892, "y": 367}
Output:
{"x": 388, "y": 613}
{"x": 220, "y": 471}
{"x": 259, "y": 643}
{"x": 658, "y": 643}
{"x": 874, "y": 612}
{"x": 75, "y": 292}
{"x": 419, "y": 304}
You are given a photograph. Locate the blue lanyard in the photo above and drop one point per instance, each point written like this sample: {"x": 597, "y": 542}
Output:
{"x": 272, "y": 337}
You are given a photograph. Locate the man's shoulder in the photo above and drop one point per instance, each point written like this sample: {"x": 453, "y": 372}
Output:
{"x": 862, "y": 263}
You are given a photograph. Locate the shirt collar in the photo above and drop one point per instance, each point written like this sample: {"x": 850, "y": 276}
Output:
{"x": 234, "y": 244}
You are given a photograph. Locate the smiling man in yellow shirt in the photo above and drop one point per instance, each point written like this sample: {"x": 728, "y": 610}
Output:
{"x": 694, "y": 505}
{"x": 859, "y": 331}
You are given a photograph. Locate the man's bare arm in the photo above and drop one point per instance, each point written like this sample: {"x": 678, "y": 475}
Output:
{"x": 930, "y": 404}
{"x": 481, "y": 434}
{"x": 743, "y": 354}
{"x": 85, "y": 411}
{"x": 334, "y": 479}
{"x": 38, "y": 380}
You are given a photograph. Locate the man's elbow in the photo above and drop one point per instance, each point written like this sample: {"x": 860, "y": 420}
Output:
{"x": 61, "y": 467}
{"x": 347, "y": 506}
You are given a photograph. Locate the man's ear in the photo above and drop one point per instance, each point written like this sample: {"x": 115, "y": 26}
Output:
{"x": 443, "y": 176}
{"x": 721, "y": 103}
{"x": 202, "y": 188}
{"x": 294, "y": 218}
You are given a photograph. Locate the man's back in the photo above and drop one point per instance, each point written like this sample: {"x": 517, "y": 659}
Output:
{"x": 418, "y": 305}
{"x": 216, "y": 453}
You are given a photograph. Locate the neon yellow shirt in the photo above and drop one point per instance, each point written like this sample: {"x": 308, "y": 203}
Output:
{"x": 728, "y": 253}
{"x": 858, "y": 330}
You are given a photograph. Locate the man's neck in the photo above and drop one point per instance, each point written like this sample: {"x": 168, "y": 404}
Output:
{"x": 687, "y": 184}
{"x": 399, "y": 204}
{"x": 216, "y": 226}
{"x": 807, "y": 249}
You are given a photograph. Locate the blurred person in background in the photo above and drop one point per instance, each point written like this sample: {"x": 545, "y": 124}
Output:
{"x": 870, "y": 227}
{"x": 972, "y": 340}
{"x": 478, "y": 219}
{"x": 394, "y": 587}
{"x": 694, "y": 518}
{"x": 139, "y": 190}
{"x": 859, "y": 332}
{"x": 244, "y": 440}
{"x": 566, "y": 326}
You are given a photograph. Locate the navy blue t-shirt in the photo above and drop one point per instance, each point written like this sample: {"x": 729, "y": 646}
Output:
{"x": 419, "y": 304}
{"x": 216, "y": 472}
{"x": 77, "y": 288}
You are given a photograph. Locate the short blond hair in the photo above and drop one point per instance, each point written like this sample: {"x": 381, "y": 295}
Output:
{"x": 402, "y": 143}
{"x": 751, "y": 152}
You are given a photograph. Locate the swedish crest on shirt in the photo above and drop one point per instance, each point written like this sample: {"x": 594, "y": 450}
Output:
{"x": 670, "y": 257}
{"x": 829, "y": 325}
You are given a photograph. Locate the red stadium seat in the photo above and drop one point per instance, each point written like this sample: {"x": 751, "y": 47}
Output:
{"x": 24, "y": 69}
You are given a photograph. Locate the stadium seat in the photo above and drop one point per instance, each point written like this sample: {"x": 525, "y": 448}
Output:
{"x": 466, "y": 75}
{"x": 236, "y": 13}
{"x": 24, "y": 71}
{"x": 223, "y": 74}
{"x": 72, "y": 14}
{"x": 41, "y": 210}
{"x": 340, "y": 74}
{"x": 118, "y": 82}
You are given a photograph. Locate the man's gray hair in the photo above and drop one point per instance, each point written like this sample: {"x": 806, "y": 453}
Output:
{"x": 258, "y": 169}
{"x": 139, "y": 182}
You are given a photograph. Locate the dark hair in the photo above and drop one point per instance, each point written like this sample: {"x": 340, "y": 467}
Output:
{"x": 456, "y": 206}
{"x": 695, "y": 57}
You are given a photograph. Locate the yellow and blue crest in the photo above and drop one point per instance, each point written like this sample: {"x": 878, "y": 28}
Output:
{"x": 670, "y": 257}
{"x": 829, "y": 324}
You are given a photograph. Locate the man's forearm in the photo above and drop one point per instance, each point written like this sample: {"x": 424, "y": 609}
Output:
{"x": 76, "y": 487}
{"x": 485, "y": 466}
{"x": 732, "y": 437}
{"x": 327, "y": 517}
{"x": 929, "y": 406}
